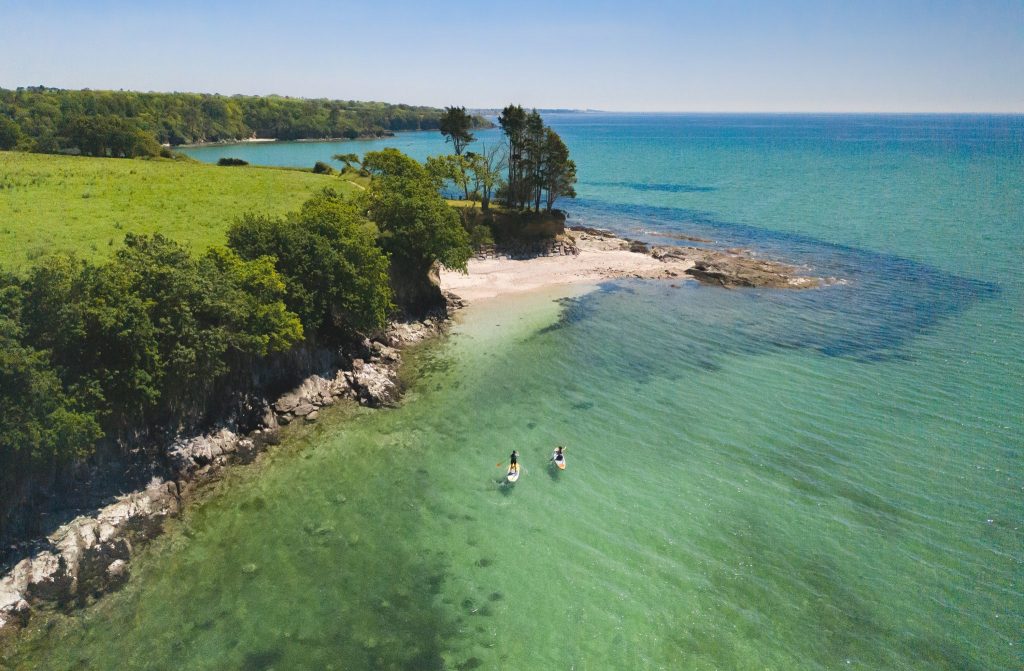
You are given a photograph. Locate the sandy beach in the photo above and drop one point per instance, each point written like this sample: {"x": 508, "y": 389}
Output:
{"x": 603, "y": 256}
{"x": 600, "y": 258}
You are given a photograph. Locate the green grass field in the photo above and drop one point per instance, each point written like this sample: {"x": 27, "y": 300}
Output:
{"x": 86, "y": 205}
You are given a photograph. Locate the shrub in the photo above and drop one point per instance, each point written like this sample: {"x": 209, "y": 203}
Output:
{"x": 336, "y": 277}
{"x": 146, "y": 336}
{"x": 231, "y": 161}
{"x": 10, "y": 133}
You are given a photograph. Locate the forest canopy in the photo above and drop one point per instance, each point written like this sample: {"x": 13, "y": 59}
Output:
{"x": 104, "y": 123}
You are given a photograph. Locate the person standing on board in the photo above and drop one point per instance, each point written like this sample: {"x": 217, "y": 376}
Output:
{"x": 513, "y": 461}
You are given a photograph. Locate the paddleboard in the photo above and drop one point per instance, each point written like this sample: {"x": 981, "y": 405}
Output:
{"x": 513, "y": 474}
{"x": 558, "y": 462}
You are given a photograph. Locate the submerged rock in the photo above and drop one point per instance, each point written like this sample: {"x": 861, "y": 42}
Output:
{"x": 733, "y": 268}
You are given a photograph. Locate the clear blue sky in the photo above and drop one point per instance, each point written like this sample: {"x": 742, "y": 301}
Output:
{"x": 896, "y": 56}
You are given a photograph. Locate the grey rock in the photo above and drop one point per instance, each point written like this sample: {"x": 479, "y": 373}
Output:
{"x": 14, "y": 609}
{"x": 10, "y": 597}
{"x": 117, "y": 573}
{"x": 49, "y": 579}
{"x": 304, "y": 409}
{"x": 312, "y": 389}
{"x": 389, "y": 354}
{"x": 287, "y": 403}
{"x": 269, "y": 419}
{"x": 19, "y": 576}
{"x": 190, "y": 455}
{"x": 377, "y": 385}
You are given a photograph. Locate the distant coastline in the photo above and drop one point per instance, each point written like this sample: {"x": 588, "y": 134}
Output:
{"x": 274, "y": 140}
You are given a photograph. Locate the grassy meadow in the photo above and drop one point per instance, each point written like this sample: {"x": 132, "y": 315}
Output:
{"x": 86, "y": 205}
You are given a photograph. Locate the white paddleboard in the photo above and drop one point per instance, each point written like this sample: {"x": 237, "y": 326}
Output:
{"x": 558, "y": 462}
{"x": 513, "y": 474}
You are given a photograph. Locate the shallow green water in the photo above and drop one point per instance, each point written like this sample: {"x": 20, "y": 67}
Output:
{"x": 756, "y": 479}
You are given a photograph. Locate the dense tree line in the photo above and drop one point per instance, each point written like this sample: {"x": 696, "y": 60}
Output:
{"x": 97, "y": 122}
{"x": 539, "y": 169}
{"x": 149, "y": 342}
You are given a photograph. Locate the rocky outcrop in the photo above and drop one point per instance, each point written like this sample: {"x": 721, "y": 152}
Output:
{"x": 376, "y": 384}
{"x": 91, "y": 554}
{"x": 729, "y": 268}
{"x": 733, "y": 268}
{"x": 87, "y": 556}
{"x": 192, "y": 456}
{"x": 529, "y": 249}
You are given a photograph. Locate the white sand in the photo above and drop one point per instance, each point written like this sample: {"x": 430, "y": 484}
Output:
{"x": 599, "y": 259}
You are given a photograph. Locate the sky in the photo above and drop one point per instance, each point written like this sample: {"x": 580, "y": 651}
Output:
{"x": 628, "y": 55}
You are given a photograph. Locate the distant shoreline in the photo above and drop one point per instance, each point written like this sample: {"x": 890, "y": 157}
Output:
{"x": 272, "y": 140}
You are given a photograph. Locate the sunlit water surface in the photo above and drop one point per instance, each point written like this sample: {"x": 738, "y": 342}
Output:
{"x": 756, "y": 479}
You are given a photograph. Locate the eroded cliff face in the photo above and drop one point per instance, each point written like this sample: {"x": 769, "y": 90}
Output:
{"x": 417, "y": 291}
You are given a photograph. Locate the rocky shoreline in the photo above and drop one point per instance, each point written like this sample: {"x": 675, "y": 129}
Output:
{"x": 585, "y": 255}
{"x": 91, "y": 555}
{"x": 730, "y": 268}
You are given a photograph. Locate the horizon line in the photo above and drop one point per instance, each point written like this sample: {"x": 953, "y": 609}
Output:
{"x": 567, "y": 110}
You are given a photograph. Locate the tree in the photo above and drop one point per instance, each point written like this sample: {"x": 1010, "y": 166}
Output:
{"x": 390, "y": 162}
{"x": 451, "y": 167}
{"x": 349, "y": 160}
{"x": 559, "y": 173}
{"x": 41, "y": 427}
{"x": 175, "y": 118}
{"x": 538, "y": 161}
{"x": 249, "y": 302}
{"x": 531, "y": 181}
{"x": 417, "y": 226}
{"x": 486, "y": 168}
{"x": 107, "y": 135}
{"x": 418, "y": 229}
{"x": 10, "y": 133}
{"x": 513, "y": 123}
{"x": 455, "y": 125}
{"x": 335, "y": 276}
{"x": 144, "y": 339}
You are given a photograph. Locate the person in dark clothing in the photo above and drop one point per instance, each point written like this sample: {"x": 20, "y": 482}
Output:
{"x": 513, "y": 461}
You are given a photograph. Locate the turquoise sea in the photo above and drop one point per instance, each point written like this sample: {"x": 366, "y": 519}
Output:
{"x": 828, "y": 479}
